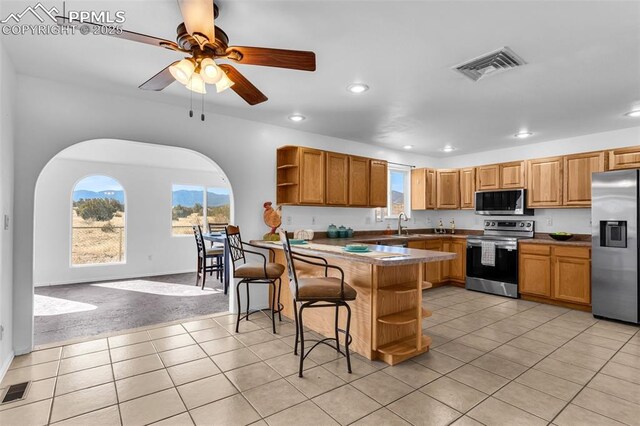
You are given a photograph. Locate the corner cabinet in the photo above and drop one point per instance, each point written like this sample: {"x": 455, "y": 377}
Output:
{"x": 312, "y": 177}
{"x": 544, "y": 182}
{"x": 448, "y": 189}
{"x": 577, "y": 177}
{"x": 561, "y": 273}
{"x": 377, "y": 183}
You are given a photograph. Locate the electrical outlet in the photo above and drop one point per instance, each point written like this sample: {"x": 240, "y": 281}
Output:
{"x": 1, "y": 332}
{"x": 6, "y": 222}
{"x": 549, "y": 221}
{"x": 313, "y": 220}
{"x": 288, "y": 220}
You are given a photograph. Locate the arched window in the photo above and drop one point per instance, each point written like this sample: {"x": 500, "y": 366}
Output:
{"x": 98, "y": 221}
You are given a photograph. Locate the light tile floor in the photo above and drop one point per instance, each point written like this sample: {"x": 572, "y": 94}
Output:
{"x": 494, "y": 361}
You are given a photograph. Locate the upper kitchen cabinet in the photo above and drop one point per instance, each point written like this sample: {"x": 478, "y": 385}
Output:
{"x": 577, "y": 177}
{"x": 423, "y": 189}
{"x": 377, "y": 183}
{"x": 312, "y": 176}
{"x": 358, "y": 181}
{"x": 488, "y": 177}
{"x": 448, "y": 188}
{"x": 467, "y": 188}
{"x": 337, "y": 179}
{"x": 512, "y": 175}
{"x": 624, "y": 158}
{"x": 544, "y": 182}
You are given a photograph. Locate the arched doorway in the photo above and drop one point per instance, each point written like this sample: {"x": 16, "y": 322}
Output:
{"x": 153, "y": 257}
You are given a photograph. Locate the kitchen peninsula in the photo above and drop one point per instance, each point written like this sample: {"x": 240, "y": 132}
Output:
{"x": 387, "y": 314}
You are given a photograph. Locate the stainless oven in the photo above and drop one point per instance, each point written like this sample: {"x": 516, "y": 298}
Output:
{"x": 492, "y": 258}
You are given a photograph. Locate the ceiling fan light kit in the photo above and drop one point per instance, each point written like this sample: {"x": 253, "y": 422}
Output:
{"x": 198, "y": 37}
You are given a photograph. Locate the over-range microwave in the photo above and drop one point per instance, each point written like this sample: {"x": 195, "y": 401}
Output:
{"x": 509, "y": 202}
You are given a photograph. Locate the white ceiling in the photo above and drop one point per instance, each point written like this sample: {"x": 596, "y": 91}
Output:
{"x": 582, "y": 72}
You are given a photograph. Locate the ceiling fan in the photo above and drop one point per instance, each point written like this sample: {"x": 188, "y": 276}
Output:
{"x": 204, "y": 43}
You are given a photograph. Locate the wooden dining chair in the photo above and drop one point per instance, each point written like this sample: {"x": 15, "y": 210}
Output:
{"x": 318, "y": 292}
{"x": 264, "y": 272}
{"x": 205, "y": 255}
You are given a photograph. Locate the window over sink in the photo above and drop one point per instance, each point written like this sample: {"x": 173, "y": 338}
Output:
{"x": 399, "y": 191}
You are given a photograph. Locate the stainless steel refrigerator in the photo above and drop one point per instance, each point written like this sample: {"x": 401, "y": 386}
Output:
{"x": 614, "y": 266}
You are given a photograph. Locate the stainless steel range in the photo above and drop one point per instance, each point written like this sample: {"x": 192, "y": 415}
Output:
{"x": 492, "y": 258}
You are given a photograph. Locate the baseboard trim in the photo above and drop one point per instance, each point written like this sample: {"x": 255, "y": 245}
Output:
{"x": 114, "y": 278}
{"x": 5, "y": 365}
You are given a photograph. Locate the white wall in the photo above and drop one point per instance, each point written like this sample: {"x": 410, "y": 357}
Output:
{"x": 577, "y": 221}
{"x": 52, "y": 116}
{"x": 7, "y": 98}
{"x": 150, "y": 247}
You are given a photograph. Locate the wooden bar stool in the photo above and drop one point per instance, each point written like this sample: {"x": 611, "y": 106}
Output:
{"x": 318, "y": 292}
{"x": 204, "y": 255}
{"x": 264, "y": 272}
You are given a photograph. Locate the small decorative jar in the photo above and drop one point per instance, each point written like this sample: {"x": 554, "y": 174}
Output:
{"x": 349, "y": 233}
{"x": 342, "y": 232}
{"x": 332, "y": 231}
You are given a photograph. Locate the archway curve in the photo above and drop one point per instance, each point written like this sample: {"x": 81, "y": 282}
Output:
{"x": 97, "y": 150}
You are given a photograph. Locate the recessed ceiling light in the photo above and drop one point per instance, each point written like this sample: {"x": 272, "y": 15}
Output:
{"x": 297, "y": 117}
{"x": 633, "y": 113}
{"x": 523, "y": 135}
{"x": 408, "y": 147}
{"x": 448, "y": 148}
{"x": 357, "y": 88}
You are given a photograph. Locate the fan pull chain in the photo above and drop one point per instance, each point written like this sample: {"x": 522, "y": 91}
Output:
{"x": 190, "y": 101}
{"x": 202, "y": 110}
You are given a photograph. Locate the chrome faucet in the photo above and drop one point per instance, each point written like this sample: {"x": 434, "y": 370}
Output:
{"x": 401, "y": 217}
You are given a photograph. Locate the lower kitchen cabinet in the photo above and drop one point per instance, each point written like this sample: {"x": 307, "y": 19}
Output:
{"x": 449, "y": 270}
{"x": 556, "y": 272}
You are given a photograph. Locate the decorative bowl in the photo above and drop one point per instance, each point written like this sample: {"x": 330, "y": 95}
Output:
{"x": 561, "y": 236}
{"x": 296, "y": 242}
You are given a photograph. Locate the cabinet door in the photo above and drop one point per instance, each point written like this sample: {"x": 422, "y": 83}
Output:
{"x": 418, "y": 189}
{"x": 433, "y": 270}
{"x": 378, "y": 183}
{"x": 337, "y": 173}
{"x": 432, "y": 189}
{"x": 448, "y": 189}
{"x": 457, "y": 266}
{"x": 467, "y": 188}
{"x": 535, "y": 275}
{"x": 572, "y": 280}
{"x": 487, "y": 177}
{"x": 312, "y": 176}
{"x": 577, "y": 177}
{"x": 544, "y": 178}
{"x": 512, "y": 175}
{"x": 358, "y": 181}
{"x": 624, "y": 158}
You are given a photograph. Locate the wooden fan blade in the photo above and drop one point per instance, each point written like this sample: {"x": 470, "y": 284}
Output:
{"x": 243, "y": 87}
{"x": 159, "y": 81}
{"x": 198, "y": 18}
{"x": 292, "y": 59}
{"x": 94, "y": 28}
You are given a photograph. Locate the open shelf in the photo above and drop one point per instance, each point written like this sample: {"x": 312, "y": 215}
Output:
{"x": 405, "y": 346}
{"x": 403, "y": 317}
{"x": 287, "y": 166}
{"x": 399, "y": 288}
{"x": 287, "y": 184}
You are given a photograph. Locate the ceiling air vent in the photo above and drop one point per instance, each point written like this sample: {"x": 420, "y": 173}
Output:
{"x": 490, "y": 64}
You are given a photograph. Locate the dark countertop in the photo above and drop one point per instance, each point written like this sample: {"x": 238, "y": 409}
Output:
{"x": 548, "y": 240}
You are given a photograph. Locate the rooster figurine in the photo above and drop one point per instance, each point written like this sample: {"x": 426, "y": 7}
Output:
{"x": 272, "y": 218}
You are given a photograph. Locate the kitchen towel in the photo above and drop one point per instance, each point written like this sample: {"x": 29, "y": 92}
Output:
{"x": 488, "y": 257}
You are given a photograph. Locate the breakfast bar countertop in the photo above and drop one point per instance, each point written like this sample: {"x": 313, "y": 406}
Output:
{"x": 379, "y": 254}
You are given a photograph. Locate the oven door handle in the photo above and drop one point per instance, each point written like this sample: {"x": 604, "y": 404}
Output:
{"x": 498, "y": 246}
